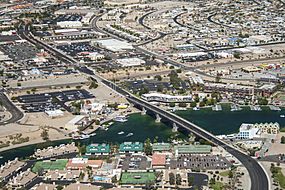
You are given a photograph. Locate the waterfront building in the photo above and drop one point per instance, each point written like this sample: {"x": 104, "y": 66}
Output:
{"x": 192, "y": 149}
{"x": 248, "y": 131}
{"x": 62, "y": 174}
{"x": 57, "y": 151}
{"x": 268, "y": 128}
{"x": 166, "y": 98}
{"x": 98, "y": 149}
{"x": 131, "y": 147}
{"x": 11, "y": 167}
{"x": 161, "y": 147}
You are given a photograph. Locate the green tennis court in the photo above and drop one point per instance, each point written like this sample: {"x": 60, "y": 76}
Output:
{"x": 50, "y": 165}
{"x": 137, "y": 177}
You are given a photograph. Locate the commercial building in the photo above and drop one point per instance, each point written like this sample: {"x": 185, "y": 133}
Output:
{"x": 113, "y": 45}
{"x": 98, "y": 149}
{"x": 69, "y": 24}
{"x": 248, "y": 131}
{"x": 158, "y": 160}
{"x": 192, "y": 149}
{"x": 131, "y": 147}
{"x": 130, "y": 62}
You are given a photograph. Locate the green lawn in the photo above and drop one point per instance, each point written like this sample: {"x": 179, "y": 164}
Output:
{"x": 280, "y": 177}
{"x": 50, "y": 165}
{"x": 224, "y": 173}
{"x": 217, "y": 186}
{"x": 137, "y": 177}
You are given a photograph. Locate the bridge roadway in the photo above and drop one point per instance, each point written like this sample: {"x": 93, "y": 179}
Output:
{"x": 259, "y": 179}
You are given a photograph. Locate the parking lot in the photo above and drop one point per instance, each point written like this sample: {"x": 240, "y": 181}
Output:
{"x": 76, "y": 48}
{"x": 151, "y": 85}
{"x": 19, "y": 51}
{"x": 51, "y": 101}
{"x": 134, "y": 163}
{"x": 199, "y": 162}
{"x": 73, "y": 17}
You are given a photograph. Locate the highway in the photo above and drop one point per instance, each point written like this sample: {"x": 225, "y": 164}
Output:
{"x": 259, "y": 180}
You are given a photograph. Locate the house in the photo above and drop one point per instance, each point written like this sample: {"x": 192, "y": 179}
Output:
{"x": 158, "y": 160}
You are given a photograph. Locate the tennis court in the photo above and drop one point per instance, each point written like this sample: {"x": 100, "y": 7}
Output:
{"x": 50, "y": 165}
{"x": 137, "y": 177}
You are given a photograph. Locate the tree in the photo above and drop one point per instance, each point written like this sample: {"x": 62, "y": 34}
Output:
{"x": 158, "y": 77}
{"x": 283, "y": 140}
{"x": 93, "y": 85}
{"x": 171, "y": 179}
{"x": 114, "y": 179}
{"x": 178, "y": 179}
{"x": 59, "y": 187}
{"x": 171, "y": 104}
{"x": 182, "y": 104}
{"x": 45, "y": 135}
{"x": 193, "y": 104}
{"x": 147, "y": 147}
{"x": 262, "y": 101}
{"x": 190, "y": 180}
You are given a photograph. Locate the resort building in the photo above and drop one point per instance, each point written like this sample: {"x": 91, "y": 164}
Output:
{"x": 161, "y": 147}
{"x": 23, "y": 180}
{"x": 250, "y": 131}
{"x": 82, "y": 163}
{"x": 131, "y": 147}
{"x": 268, "y": 128}
{"x": 10, "y": 168}
{"x": 98, "y": 149}
{"x": 68, "y": 149}
{"x": 192, "y": 149}
{"x": 166, "y": 98}
{"x": 62, "y": 175}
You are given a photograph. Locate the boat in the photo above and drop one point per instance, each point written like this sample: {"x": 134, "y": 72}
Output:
{"x": 120, "y": 118}
{"x": 84, "y": 137}
{"x": 130, "y": 134}
{"x": 196, "y": 109}
{"x": 282, "y": 116}
{"x": 93, "y": 134}
{"x": 1, "y": 157}
{"x": 121, "y": 132}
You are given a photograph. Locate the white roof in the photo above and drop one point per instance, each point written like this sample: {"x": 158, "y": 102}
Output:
{"x": 76, "y": 119}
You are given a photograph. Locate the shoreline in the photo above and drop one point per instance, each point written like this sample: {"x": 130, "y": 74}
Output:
{"x": 34, "y": 142}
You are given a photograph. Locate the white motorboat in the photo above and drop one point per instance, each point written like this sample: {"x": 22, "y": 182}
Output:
{"x": 121, "y": 133}
{"x": 120, "y": 118}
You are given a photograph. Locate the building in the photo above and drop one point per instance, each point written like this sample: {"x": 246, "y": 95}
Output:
{"x": 130, "y": 62}
{"x": 192, "y": 149}
{"x": 69, "y": 24}
{"x": 62, "y": 174}
{"x": 131, "y": 147}
{"x": 158, "y": 160}
{"x": 98, "y": 149}
{"x": 268, "y": 128}
{"x": 82, "y": 163}
{"x": 54, "y": 113}
{"x": 161, "y": 147}
{"x": 166, "y": 98}
{"x": 81, "y": 186}
{"x": 23, "y": 180}
{"x": 113, "y": 45}
{"x": 9, "y": 168}
{"x": 248, "y": 131}
{"x": 57, "y": 151}
{"x": 77, "y": 121}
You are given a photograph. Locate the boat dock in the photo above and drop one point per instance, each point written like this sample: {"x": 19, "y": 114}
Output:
{"x": 235, "y": 107}
{"x": 217, "y": 107}
{"x": 255, "y": 108}
{"x": 274, "y": 108}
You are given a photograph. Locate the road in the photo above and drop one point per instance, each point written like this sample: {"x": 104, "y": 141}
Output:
{"x": 15, "y": 112}
{"x": 259, "y": 180}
